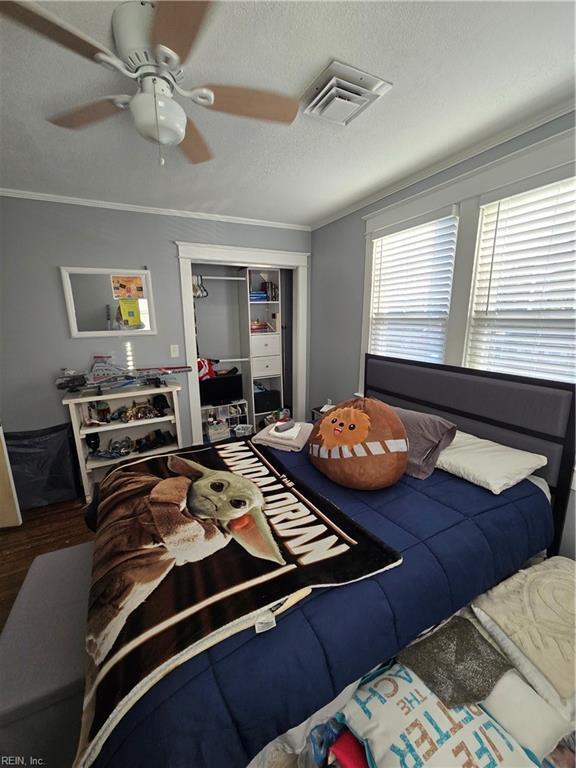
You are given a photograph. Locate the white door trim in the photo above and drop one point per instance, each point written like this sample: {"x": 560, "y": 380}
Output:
{"x": 229, "y": 255}
{"x": 235, "y": 256}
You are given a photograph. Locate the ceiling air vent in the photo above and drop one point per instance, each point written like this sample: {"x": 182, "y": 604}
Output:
{"x": 341, "y": 92}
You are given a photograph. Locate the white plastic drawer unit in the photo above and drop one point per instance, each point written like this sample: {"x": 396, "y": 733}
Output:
{"x": 265, "y": 344}
{"x": 266, "y": 366}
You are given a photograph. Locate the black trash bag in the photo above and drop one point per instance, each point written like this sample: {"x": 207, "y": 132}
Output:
{"x": 44, "y": 466}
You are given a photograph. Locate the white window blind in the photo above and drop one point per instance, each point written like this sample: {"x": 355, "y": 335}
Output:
{"x": 411, "y": 286}
{"x": 523, "y": 307}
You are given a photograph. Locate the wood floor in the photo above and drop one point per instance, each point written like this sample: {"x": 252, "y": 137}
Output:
{"x": 43, "y": 530}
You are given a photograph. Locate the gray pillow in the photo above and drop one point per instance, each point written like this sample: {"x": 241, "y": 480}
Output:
{"x": 427, "y": 436}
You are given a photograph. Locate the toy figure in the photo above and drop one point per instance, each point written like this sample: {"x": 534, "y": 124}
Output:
{"x": 102, "y": 411}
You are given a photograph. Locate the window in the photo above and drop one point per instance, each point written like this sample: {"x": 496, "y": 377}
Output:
{"x": 523, "y": 308}
{"x": 411, "y": 287}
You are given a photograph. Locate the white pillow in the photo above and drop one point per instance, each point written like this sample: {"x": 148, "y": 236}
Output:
{"x": 532, "y": 721}
{"x": 402, "y": 723}
{"x": 490, "y": 465}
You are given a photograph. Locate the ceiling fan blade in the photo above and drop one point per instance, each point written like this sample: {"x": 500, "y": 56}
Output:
{"x": 92, "y": 112}
{"x": 249, "y": 102}
{"x": 176, "y": 24}
{"x": 193, "y": 144}
{"x": 39, "y": 20}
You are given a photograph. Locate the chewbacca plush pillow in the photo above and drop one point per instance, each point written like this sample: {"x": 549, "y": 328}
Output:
{"x": 361, "y": 444}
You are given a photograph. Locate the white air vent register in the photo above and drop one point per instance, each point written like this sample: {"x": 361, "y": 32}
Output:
{"x": 341, "y": 92}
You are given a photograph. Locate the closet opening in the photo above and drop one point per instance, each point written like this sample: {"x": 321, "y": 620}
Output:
{"x": 245, "y": 330}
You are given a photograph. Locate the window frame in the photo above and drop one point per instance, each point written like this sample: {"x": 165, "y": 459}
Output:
{"x": 489, "y": 199}
{"x": 464, "y": 197}
{"x": 442, "y": 213}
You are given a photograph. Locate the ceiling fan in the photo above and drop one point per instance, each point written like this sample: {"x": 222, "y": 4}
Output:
{"x": 152, "y": 41}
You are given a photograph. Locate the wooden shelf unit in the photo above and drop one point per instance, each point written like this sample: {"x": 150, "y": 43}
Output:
{"x": 90, "y": 467}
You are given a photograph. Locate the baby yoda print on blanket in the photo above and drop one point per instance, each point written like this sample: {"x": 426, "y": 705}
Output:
{"x": 192, "y": 547}
{"x": 181, "y": 519}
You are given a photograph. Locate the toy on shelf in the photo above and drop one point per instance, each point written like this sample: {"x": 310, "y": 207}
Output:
{"x": 98, "y": 413}
{"x": 156, "y": 439}
{"x": 93, "y": 441}
{"x": 105, "y": 375}
{"x": 161, "y": 404}
{"x": 138, "y": 411}
{"x": 117, "y": 414}
{"x": 116, "y": 449}
{"x": 135, "y": 412}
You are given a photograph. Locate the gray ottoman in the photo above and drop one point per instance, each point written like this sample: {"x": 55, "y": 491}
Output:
{"x": 42, "y": 659}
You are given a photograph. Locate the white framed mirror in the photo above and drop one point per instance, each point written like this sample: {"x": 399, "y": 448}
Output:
{"x": 108, "y": 302}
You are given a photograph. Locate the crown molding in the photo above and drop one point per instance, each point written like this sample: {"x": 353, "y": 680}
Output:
{"x": 48, "y": 198}
{"x": 565, "y": 108}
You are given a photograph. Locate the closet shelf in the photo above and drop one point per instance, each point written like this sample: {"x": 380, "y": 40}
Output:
{"x": 230, "y": 359}
{"x": 223, "y": 277}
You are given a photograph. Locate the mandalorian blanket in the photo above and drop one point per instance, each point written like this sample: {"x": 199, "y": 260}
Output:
{"x": 192, "y": 547}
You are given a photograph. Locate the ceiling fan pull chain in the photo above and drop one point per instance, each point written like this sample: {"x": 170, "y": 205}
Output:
{"x": 161, "y": 159}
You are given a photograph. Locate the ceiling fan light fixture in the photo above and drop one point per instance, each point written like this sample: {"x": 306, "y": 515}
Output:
{"x": 158, "y": 118}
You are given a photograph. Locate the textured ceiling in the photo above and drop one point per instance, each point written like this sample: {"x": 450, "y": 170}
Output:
{"x": 462, "y": 71}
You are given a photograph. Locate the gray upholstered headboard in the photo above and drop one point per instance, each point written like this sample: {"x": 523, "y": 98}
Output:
{"x": 530, "y": 414}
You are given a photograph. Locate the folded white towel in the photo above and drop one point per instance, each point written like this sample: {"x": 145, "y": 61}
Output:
{"x": 273, "y": 439}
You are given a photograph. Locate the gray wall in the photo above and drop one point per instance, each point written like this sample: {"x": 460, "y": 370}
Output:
{"x": 218, "y": 316}
{"x": 336, "y": 300}
{"x": 36, "y": 238}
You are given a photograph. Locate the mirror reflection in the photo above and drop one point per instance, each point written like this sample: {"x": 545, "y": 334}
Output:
{"x": 108, "y": 301}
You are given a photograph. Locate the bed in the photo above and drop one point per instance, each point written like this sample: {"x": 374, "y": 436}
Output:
{"x": 219, "y": 709}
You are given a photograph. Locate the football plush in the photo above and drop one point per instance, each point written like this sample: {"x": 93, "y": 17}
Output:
{"x": 360, "y": 444}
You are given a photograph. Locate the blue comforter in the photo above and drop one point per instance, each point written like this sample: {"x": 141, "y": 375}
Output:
{"x": 219, "y": 709}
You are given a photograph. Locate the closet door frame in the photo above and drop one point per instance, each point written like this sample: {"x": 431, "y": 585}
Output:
{"x": 228, "y": 255}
